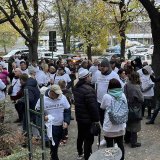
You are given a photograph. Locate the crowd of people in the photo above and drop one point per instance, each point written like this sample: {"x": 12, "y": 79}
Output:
{"x": 94, "y": 89}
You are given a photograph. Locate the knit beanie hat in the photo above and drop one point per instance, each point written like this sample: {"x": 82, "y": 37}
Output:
{"x": 105, "y": 63}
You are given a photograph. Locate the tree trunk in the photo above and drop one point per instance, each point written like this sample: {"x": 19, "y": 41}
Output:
{"x": 122, "y": 27}
{"x": 33, "y": 53}
{"x": 89, "y": 52}
{"x": 68, "y": 46}
{"x": 64, "y": 43}
{"x": 123, "y": 44}
{"x": 5, "y": 49}
{"x": 155, "y": 27}
{"x": 156, "y": 54}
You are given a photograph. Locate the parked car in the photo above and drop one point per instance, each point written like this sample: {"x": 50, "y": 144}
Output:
{"x": 145, "y": 57}
{"x": 15, "y": 52}
{"x": 108, "y": 56}
{"x": 138, "y": 49}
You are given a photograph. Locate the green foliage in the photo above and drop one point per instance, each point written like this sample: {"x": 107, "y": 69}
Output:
{"x": 90, "y": 23}
{"x": 8, "y": 36}
{"x": 97, "y": 51}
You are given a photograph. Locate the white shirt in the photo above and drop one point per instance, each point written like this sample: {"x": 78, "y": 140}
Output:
{"x": 64, "y": 77}
{"x": 55, "y": 108}
{"x": 41, "y": 77}
{"x": 16, "y": 87}
{"x": 67, "y": 70}
{"x": 116, "y": 70}
{"x": 93, "y": 70}
{"x": 107, "y": 125}
{"x": 47, "y": 77}
{"x": 25, "y": 71}
{"x": 17, "y": 61}
{"x": 102, "y": 83}
{"x": 35, "y": 68}
{"x": 2, "y": 86}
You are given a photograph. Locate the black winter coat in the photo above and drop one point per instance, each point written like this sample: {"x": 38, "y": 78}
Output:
{"x": 86, "y": 107}
{"x": 33, "y": 91}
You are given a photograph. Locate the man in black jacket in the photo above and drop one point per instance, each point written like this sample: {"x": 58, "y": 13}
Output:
{"x": 34, "y": 94}
{"x": 86, "y": 110}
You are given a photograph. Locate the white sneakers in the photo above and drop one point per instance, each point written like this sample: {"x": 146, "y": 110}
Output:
{"x": 103, "y": 142}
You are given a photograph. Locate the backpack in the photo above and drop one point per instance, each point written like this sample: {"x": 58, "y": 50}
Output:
{"x": 118, "y": 113}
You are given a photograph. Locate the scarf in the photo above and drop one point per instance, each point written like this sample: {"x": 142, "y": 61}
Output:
{"x": 116, "y": 92}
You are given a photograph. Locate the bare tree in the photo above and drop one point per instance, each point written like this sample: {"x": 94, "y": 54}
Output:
{"x": 29, "y": 23}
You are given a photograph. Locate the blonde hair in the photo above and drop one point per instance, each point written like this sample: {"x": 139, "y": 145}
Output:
{"x": 44, "y": 66}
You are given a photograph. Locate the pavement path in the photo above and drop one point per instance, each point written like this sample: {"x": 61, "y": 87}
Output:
{"x": 149, "y": 137}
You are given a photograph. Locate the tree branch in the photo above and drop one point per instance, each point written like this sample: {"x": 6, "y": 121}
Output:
{"x": 24, "y": 23}
{"x": 26, "y": 9}
{"x": 60, "y": 17}
{"x": 14, "y": 25}
{"x": 152, "y": 11}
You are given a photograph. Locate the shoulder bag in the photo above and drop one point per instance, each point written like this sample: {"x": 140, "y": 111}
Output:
{"x": 10, "y": 88}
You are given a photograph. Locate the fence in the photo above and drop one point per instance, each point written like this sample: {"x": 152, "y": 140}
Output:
{"x": 31, "y": 124}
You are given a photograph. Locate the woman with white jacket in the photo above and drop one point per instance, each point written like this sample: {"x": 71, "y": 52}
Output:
{"x": 113, "y": 133}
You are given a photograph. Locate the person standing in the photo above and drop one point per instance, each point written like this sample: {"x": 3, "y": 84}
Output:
{"x": 102, "y": 82}
{"x": 24, "y": 67}
{"x": 30, "y": 84}
{"x": 134, "y": 96}
{"x": 57, "y": 106}
{"x": 114, "y": 133}
{"x": 61, "y": 75}
{"x": 16, "y": 93}
{"x": 147, "y": 87}
{"x": 86, "y": 111}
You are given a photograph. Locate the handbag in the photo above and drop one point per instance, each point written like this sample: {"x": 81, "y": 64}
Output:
{"x": 10, "y": 88}
{"x": 135, "y": 113}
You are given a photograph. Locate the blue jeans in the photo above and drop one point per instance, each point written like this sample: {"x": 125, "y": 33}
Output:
{"x": 57, "y": 132}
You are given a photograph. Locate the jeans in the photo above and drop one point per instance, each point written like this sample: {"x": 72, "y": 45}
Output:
{"x": 84, "y": 137}
{"x": 57, "y": 136}
{"x": 156, "y": 111}
{"x": 119, "y": 140}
